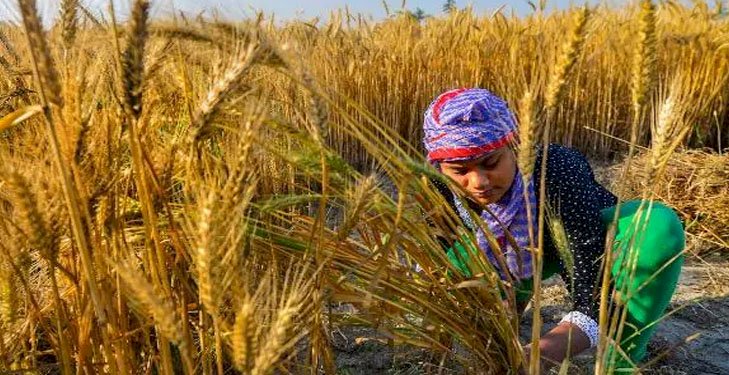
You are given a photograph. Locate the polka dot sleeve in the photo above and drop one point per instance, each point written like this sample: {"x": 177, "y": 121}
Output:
{"x": 577, "y": 199}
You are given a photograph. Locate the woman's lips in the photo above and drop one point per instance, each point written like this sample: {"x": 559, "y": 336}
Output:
{"x": 484, "y": 194}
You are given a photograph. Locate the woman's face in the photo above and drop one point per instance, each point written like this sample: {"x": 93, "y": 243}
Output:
{"x": 487, "y": 178}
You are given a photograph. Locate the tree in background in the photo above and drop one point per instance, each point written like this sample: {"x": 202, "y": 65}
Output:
{"x": 419, "y": 14}
{"x": 449, "y": 6}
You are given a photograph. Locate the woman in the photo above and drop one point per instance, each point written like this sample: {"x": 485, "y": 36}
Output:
{"x": 468, "y": 136}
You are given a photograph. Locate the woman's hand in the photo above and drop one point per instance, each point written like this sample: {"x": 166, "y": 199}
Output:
{"x": 554, "y": 346}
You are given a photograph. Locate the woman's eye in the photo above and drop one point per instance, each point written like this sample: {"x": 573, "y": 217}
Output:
{"x": 459, "y": 172}
{"x": 491, "y": 163}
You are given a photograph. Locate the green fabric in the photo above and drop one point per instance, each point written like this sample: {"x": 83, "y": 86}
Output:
{"x": 460, "y": 258}
{"x": 658, "y": 242}
{"x": 658, "y": 239}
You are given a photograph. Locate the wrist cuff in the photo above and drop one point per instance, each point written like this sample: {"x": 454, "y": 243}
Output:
{"x": 586, "y": 324}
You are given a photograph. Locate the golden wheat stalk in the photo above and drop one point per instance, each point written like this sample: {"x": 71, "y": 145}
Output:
{"x": 555, "y": 90}
{"x": 46, "y": 76}
{"x": 41, "y": 238}
{"x": 291, "y": 300}
{"x": 643, "y": 69}
{"x": 132, "y": 63}
{"x": 271, "y": 348}
{"x": 643, "y": 80}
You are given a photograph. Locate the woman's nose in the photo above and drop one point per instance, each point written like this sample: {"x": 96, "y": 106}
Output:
{"x": 479, "y": 180}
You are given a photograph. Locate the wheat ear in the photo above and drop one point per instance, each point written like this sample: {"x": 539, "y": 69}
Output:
{"x": 270, "y": 350}
{"x": 669, "y": 132}
{"x": 567, "y": 59}
{"x": 643, "y": 70}
{"x": 359, "y": 198}
{"x": 161, "y": 308}
{"x": 527, "y": 125}
{"x": 8, "y": 297}
{"x": 204, "y": 258}
{"x": 133, "y": 58}
{"x": 35, "y": 227}
{"x": 46, "y": 71}
{"x": 230, "y": 81}
{"x": 5, "y": 42}
{"x": 244, "y": 335}
{"x": 69, "y": 22}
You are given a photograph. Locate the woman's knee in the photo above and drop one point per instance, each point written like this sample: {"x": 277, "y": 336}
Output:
{"x": 663, "y": 235}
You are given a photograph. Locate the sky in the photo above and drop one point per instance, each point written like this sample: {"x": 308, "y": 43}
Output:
{"x": 288, "y": 9}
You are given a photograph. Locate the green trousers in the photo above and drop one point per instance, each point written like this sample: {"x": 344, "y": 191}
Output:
{"x": 647, "y": 251}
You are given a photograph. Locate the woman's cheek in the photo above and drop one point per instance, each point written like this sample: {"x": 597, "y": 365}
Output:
{"x": 463, "y": 181}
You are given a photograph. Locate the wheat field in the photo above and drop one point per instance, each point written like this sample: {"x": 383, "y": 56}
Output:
{"x": 195, "y": 195}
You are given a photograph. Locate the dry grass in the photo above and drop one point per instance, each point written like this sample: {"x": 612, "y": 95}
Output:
{"x": 696, "y": 184}
{"x": 190, "y": 196}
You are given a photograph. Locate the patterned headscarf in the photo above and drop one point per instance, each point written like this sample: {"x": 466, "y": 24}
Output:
{"x": 464, "y": 124}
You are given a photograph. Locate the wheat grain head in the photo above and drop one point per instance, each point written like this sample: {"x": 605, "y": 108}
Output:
{"x": 567, "y": 59}
{"x": 133, "y": 58}
{"x": 47, "y": 74}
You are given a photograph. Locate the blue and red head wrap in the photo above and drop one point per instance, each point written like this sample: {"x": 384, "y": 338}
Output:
{"x": 465, "y": 123}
